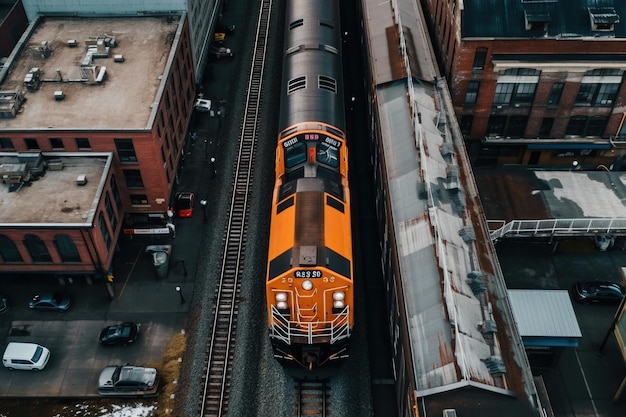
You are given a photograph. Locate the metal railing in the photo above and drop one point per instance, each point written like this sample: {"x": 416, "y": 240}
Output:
{"x": 313, "y": 332}
{"x": 557, "y": 227}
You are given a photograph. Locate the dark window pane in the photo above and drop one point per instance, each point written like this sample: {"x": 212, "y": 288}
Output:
{"x": 472, "y": 93}
{"x": 56, "y": 143}
{"x": 126, "y": 150}
{"x": 66, "y": 248}
{"x": 83, "y": 143}
{"x": 6, "y": 143}
{"x": 8, "y": 250}
{"x": 31, "y": 143}
{"x": 555, "y": 94}
{"x": 133, "y": 178}
{"x": 479, "y": 59}
{"x": 37, "y": 249}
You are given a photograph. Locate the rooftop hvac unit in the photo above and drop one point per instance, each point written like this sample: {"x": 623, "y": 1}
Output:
{"x": 81, "y": 180}
{"x": 72, "y": 43}
{"x": 58, "y": 95}
{"x": 118, "y": 58}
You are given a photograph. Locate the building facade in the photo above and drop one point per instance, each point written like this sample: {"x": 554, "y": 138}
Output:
{"x": 61, "y": 214}
{"x": 535, "y": 82}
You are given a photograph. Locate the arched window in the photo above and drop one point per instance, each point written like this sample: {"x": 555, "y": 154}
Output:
{"x": 37, "y": 249}
{"x": 66, "y": 248}
{"x": 8, "y": 250}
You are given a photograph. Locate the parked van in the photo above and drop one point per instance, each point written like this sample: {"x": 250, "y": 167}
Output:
{"x": 26, "y": 356}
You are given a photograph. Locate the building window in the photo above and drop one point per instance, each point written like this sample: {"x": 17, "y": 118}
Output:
{"x": 472, "y": 93}
{"x": 599, "y": 87}
{"x": 514, "y": 94}
{"x": 480, "y": 57}
{"x": 83, "y": 144}
{"x": 56, "y": 144}
{"x": 555, "y": 94}
{"x": 546, "y": 127}
{"x": 6, "y": 143}
{"x": 596, "y": 126}
{"x": 104, "y": 230}
{"x": 116, "y": 194}
{"x": 583, "y": 126}
{"x": 8, "y": 250}
{"x": 37, "y": 249}
{"x": 66, "y": 248}
{"x": 133, "y": 178}
{"x": 138, "y": 199}
{"x": 501, "y": 126}
{"x": 110, "y": 211}
{"x": 31, "y": 143}
{"x": 126, "y": 150}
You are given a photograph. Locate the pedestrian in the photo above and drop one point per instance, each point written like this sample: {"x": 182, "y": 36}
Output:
{"x": 213, "y": 171}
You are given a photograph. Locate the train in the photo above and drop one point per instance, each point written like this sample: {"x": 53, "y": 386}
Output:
{"x": 310, "y": 274}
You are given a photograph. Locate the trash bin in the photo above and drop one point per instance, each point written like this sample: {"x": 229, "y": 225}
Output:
{"x": 160, "y": 259}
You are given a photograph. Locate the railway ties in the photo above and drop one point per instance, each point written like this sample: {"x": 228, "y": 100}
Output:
{"x": 220, "y": 353}
{"x": 311, "y": 399}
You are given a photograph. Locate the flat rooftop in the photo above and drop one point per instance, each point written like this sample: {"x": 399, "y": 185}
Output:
{"x": 48, "y": 192}
{"x": 526, "y": 194}
{"x": 123, "y": 100}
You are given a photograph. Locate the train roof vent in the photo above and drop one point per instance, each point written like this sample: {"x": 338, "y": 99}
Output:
{"x": 296, "y": 23}
{"x": 327, "y": 83}
{"x": 296, "y": 84}
{"x": 308, "y": 256}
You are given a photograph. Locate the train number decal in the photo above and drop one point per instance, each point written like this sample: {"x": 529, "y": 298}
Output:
{"x": 308, "y": 273}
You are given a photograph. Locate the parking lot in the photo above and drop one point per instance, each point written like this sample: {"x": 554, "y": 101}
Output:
{"x": 584, "y": 382}
{"x": 76, "y": 355}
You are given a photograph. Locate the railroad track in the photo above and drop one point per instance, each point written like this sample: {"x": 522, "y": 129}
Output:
{"x": 216, "y": 392}
{"x": 311, "y": 399}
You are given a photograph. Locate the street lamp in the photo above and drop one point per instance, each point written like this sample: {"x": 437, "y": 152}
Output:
{"x": 204, "y": 203}
{"x": 180, "y": 293}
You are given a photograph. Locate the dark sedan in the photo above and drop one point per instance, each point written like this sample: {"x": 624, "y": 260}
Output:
{"x": 183, "y": 206}
{"x": 119, "y": 334}
{"x": 50, "y": 302}
{"x": 599, "y": 292}
{"x": 128, "y": 381}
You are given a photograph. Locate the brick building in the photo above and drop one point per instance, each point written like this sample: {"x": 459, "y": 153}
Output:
{"x": 118, "y": 85}
{"x": 68, "y": 98}
{"x": 536, "y": 82}
{"x": 61, "y": 214}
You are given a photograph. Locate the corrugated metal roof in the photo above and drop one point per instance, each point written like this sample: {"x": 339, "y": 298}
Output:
{"x": 544, "y": 313}
{"x": 565, "y": 18}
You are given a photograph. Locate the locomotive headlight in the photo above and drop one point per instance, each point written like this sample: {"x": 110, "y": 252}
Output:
{"x": 281, "y": 297}
{"x": 307, "y": 284}
{"x": 338, "y": 304}
{"x": 339, "y": 296}
{"x": 281, "y": 305}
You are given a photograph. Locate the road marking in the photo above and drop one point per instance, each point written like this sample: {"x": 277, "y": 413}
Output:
{"x": 580, "y": 366}
{"x": 139, "y": 252}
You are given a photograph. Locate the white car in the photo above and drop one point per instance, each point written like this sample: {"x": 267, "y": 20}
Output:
{"x": 25, "y": 356}
{"x": 202, "y": 105}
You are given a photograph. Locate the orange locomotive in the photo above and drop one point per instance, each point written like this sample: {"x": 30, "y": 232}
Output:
{"x": 309, "y": 285}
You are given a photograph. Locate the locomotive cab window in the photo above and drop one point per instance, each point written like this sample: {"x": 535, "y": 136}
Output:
{"x": 328, "y": 154}
{"x": 295, "y": 154}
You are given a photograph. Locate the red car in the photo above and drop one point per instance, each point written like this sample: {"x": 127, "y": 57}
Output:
{"x": 183, "y": 205}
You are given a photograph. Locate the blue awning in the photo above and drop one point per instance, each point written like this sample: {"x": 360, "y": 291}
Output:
{"x": 569, "y": 145}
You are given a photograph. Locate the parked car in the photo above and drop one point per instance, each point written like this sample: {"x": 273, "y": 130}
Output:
{"x": 221, "y": 52}
{"x": 128, "y": 381}
{"x": 202, "y": 105}
{"x": 50, "y": 301}
{"x": 25, "y": 356}
{"x": 184, "y": 202}
{"x": 599, "y": 291}
{"x": 4, "y": 304}
{"x": 119, "y": 334}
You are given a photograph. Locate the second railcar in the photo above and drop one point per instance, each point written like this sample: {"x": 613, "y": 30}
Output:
{"x": 309, "y": 285}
